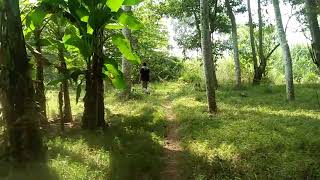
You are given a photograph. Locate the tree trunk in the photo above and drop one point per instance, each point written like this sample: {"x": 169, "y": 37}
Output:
{"x": 312, "y": 15}
{"x": 285, "y": 52}
{"x": 260, "y": 67}
{"x": 207, "y": 56}
{"x": 20, "y": 112}
{"x": 212, "y": 29}
{"x": 61, "y": 114}
{"x": 67, "y": 113}
{"x": 39, "y": 88}
{"x": 253, "y": 45}
{"x": 93, "y": 117}
{"x": 235, "y": 44}
{"x": 126, "y": 66}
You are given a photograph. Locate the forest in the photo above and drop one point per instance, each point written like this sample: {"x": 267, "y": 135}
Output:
{"x": 159, "y": 89}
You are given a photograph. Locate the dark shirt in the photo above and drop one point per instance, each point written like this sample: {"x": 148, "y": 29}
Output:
{"x": 145, "y": 73}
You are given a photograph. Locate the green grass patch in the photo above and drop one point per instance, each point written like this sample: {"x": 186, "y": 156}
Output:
{"x": 257, "y": 134}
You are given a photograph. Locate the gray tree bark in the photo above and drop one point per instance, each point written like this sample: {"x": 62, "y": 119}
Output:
{"x": 207, "y": 55}
{"x": 235, "y": 44}
{"x": 252, "y": 39}
{"x": 285, "y": 52}
{"x": 126, "y": 65}
{"x": 312, "y": 15}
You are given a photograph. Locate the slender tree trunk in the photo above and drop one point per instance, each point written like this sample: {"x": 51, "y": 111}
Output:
{"x": 61, "y": 114}
{"x": 93, "y": 116}
{"x": 20, "y": 113}
{"x": 40, "y": 89}
{"x": 235, "y": 44}
{"x": 126, "y": 66}
{"x": 285, "y": 51}
{"x": 312, "y": 15}
{"x": 261, "y": 67}
{"x": 67, "y": 113}
{"x": 207, "y": 55}
{"x": 253, "y": 45}
{"x": 212, "y": 26}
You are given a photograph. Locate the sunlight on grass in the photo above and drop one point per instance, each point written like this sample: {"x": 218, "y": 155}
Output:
{"x": 75, "y": 159}
{"x": 259, "y": 135}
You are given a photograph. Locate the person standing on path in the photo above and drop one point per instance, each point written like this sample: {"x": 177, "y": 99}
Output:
{"x": 145, "y": 77}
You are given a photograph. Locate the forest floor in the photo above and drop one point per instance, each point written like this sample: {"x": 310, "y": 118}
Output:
{"x": 172, "y": 148}
{"x": 168, "y": 134}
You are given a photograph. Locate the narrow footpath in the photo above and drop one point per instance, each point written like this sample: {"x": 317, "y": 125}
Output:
{"x": 172, "y": 148}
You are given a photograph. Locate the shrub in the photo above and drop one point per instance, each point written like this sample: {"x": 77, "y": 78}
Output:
{"x": 162, "y": 67}
{"x": 192, "y": 72}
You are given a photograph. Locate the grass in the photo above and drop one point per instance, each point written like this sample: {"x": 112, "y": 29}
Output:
{"x": 257, "y": 134}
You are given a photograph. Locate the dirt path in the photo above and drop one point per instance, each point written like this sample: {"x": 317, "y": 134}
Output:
{"x": 172, "y": 148}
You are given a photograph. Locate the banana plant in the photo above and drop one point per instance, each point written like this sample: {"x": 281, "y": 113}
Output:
{"x": 91, "y": 18}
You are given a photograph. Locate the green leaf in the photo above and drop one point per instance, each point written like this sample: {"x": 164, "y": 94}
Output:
{"x": 99, "y": 17}
{"x": 125, "y": 48}
{"x": 114, "y": 5}
{"x": 113, "y": 70}
{"x": 118, "y": 82}
{"x": 83, "y": 14}
{"x": 75, "y": 73}
{"x": 76, "y": 41}
{"x": 89, "y": 29}
{"x": 130, "y": 21}
{"x": 114, "y": 26}
{"x": 131, "y": 2}
{"x": 45, "y": 42}
{"x": 37, "y": 16}
{"x": 60, "y": 79}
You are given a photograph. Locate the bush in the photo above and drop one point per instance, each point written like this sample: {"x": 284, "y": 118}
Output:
{"x": 310, "y": 78}
{"x": 192, "y": 72}
{"x": 162, "y": 67}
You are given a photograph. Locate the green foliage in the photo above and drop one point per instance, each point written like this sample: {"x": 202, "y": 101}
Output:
{"x": 114, "y": 5}
{"x": 304, "y": 69}
{"x": 130, "y": 21}
{"x": 125, "y": 48}
{"x": 192, "y": 72}
{"x": 162, "y": 67}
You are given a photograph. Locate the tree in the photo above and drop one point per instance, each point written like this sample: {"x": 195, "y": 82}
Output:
{"x": 264, "y": 53}
{"x": 17, "y": 92}
{"x": 91, "y": 18}
{"x": 252, "y": 39}
{"x": 285, "y": 51}
{"x": 188, "y": 11}
{"x": 57, "y": 29}
{"x": 207, "y": 56}
{"x": 235, "y": 43}
{"x": 35, "y": 23}
{"x": 311, "y": 8}
{"x": 126, "y": 66}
